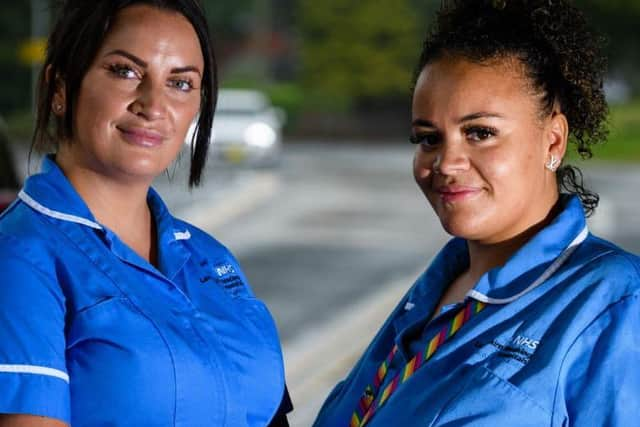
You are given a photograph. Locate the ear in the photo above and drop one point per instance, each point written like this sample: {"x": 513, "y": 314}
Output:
{"x": 58, "y": 101}
{"x": 556, "y": 135}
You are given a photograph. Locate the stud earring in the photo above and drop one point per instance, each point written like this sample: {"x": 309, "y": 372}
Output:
{"x": 552, "y": 164}
{"x": 57, "y": 108}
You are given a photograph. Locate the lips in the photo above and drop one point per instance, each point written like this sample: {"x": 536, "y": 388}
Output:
{"x": 141, "y": 137}
{"x": 456, "y": 193}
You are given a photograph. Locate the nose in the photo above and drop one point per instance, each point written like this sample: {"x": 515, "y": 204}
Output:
{"x": 150, "y": 101}
{"x": 452, "y": 158}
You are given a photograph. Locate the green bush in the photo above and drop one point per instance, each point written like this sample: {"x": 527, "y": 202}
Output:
{"x": 623, "y": 144}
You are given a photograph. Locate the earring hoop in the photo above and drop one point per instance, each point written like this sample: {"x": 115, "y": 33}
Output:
{"x": 552, "y": 164}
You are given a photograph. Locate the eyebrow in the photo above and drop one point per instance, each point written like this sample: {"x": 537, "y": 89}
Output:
{"x": 422, "y": 123}
{"x": 144, "y": 64}
{"x": 479, "y": 115}
{"x": 467, "y": 118}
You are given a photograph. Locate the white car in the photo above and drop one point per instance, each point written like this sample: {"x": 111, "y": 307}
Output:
{"x": 247, "y": 129}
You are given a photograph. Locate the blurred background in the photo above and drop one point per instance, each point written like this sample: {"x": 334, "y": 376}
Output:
{"x": 309, "y": 181}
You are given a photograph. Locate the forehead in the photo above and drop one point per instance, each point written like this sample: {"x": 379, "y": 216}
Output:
{"x": 460, "y": 83}
{"x": 144, "y": 27}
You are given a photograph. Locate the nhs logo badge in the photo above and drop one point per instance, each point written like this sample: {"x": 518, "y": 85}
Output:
{"x": 519, "y": 348}
{"x": 226, "y": 275}
{"x": 224, "y": 269}
{"x": 524, "y": 342}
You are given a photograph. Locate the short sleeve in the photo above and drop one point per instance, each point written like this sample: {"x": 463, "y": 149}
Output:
{"x": 33, "y": 376}
{"x": 600, "y": 380}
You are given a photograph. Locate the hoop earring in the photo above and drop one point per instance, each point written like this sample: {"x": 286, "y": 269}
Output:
{"x": 172, "y": 174}
{"x": 552, "y": 164}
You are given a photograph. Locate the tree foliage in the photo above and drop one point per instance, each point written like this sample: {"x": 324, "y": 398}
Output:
{"x": 358, "y": 49}
{"x": 366, "y": 49}
{"x": 228, "y": 19}
{"x": 619, "y": 21}
{"x": 15, "y": 88}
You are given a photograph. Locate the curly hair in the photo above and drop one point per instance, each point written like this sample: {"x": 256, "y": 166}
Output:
{"x": 562, "y": 56}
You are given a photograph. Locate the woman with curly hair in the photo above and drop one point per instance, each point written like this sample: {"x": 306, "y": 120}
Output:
{"x": 524, "y": 318}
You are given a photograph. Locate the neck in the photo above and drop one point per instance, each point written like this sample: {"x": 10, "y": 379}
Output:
{"x": 486, "y": 256}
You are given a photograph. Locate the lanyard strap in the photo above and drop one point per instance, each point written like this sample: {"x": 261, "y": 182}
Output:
{"x": 372, "y": 400}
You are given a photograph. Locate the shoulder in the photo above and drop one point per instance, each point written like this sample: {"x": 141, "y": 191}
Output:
{"x": 27, "y": 248}
{"x": 29, "y": 254}
{"x": 200, "y": 239}
{"x": 19, "y": 219}
{"x": 26, "y": 235}
{"x": 602, "y": 289}
{"x": 607, "y": 264}
{"x": 28, "y": 278}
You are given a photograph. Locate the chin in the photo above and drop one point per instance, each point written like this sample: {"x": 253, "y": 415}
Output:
{"x": 142, "y": 169}
{"x": 463, "y": 227}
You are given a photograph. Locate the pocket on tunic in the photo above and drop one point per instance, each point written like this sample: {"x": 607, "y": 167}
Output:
{"x": 100, "y": 313}
{"x": 488, "y": 400}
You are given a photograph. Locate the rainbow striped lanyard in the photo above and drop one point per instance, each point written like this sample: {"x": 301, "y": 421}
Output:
{"x": 370, "y": 401}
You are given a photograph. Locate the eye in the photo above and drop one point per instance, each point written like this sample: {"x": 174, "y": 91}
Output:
{"x": 123, "y": 71}
{"x": 480, "y": 133}
{"x": 184, "y": 85}
{"x": 426, "y": 139}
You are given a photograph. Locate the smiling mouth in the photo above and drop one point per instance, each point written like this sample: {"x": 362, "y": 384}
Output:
{"x": 457, "y": 195}
{"x": 141, "y": 137}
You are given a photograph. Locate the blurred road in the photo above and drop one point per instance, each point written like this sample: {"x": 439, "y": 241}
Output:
{"x": 332, "y": 240}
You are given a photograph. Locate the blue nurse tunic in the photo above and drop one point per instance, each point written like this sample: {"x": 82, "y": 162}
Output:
{"x": 92, "y": 334}
{"x": 557, "y": 343}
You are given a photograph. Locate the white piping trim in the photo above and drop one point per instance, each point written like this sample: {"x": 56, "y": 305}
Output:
{"x": 37, "y": 370}
{"x": 545, "y": 275}
{"x": 55, "y": 214}
{"x": 182, "y": 235}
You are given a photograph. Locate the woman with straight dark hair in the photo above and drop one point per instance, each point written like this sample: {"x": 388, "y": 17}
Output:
{"x": 112, "y": 311}
{"x": 524, "y": 318}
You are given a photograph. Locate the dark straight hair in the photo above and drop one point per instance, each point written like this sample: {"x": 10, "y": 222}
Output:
{"x": 77, "y": 36}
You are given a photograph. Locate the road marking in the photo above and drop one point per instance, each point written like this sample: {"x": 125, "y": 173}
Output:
{"x": 232, "y": 203}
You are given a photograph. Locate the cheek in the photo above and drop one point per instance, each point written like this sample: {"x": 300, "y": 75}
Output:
{"x": 88, "y": 115}
{"x": 422, "y": 165}
{"x": 506, "y": 168}
{"x": 96, "y": 108}
{"x": 184, "y": 114}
